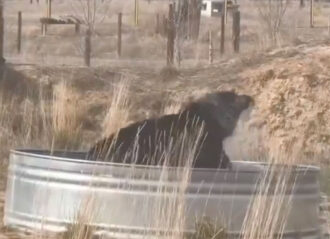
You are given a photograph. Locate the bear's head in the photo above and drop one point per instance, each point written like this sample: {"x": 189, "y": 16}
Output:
{"x": 224, "y": 108}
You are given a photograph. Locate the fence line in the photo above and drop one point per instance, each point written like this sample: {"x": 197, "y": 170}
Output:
{"x": 164, "y": 25}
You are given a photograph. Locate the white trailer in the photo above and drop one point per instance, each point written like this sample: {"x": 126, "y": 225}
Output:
{"x": 212, "y": 8}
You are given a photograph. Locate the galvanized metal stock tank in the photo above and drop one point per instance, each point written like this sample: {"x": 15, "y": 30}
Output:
{"x": 49, "y": 192}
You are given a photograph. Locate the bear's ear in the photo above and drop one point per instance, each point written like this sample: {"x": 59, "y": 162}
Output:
{"x": 232, "y": 90}
{"x": 213, "y": 100}
{"x": 190, "y": 106}
{"x": 210, "y": 99}
{"x": 226, "y": 89}
{"x": 229, "y": 91}
{"x": 203, "y": 108}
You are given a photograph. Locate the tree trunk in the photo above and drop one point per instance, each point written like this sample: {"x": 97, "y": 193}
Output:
{"x": 195, "y": 7}
{"x": 2, "y": 59}
{"x": 88, "y": 48}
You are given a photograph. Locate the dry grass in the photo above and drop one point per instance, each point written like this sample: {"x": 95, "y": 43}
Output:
{"x": 80, "y": 228}
{"x": 62, "y": 45}
{"x": 169, "y": 210}
{"x": 66, "y": 118}
{"x": 267, "y": 215}
{"x": 117, "y": 115}
{"x": 207, "y": 230}
{"x": 44, "y": 123}
{"x": 172, "y": 106}
{"x": 59, "y": 124}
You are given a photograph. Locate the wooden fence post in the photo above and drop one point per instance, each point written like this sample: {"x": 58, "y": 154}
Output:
{"x": 88, "y": 48}
{"x": 329, "y": 25}
{"x": 136, "y": 12}
{"x": 164, "y": 26}
{"x": 77, "y": 28}
{"x": 194, "y": 16}
{"x": 49, "y": 9}
{"x": 19, "y": 32}
{"x": 236, "y": 30}
{"x": 43, "y": 29}
{"x": 222, "y": 37}
{"x": 157, "y": 24}
{"x": 210, "y": 48}
{"x": 170, "y": 36}
{"x": 2, "y": 59}
{"x": 189, "y": 20}
{"x": 225, "y": 10}
{"x": 48, "y": 15}
{"x": 302, "y": 3}
{"x": 119, "y": 34}
{"x": 311, "y": 13}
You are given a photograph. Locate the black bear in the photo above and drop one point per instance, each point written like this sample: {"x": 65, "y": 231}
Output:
{"x": 141, "y": 142}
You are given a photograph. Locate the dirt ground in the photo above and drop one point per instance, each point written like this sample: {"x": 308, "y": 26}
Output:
{"x": 61, "y": 46}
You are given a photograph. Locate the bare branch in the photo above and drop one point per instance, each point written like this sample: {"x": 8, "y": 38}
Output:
{"x": 271, "y": 13}
{"x": 91, "y": 12}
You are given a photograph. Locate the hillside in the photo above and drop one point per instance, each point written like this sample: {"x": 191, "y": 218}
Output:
{"x": 291, "y": 87}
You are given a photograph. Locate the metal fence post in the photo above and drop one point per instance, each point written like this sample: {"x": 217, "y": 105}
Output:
{"x": 88, "y": 48}
{"x": 236, "y": 30}
{"x": 170, "y": 35}
{"x": 19, "y": 32}
{"x": 222, "y": 38}
{"x": 119, "y": 34}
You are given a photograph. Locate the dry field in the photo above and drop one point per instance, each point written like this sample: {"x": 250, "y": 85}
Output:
{"x": 49, "y": 100}
{"x": 141, "y": 44}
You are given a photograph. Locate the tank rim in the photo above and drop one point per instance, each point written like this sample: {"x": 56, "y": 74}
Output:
{"x": 44, "y": 154}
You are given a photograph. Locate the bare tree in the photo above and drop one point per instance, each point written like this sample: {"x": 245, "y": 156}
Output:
{"x": 187, "y": 21}
{"x": 180, "y": 22}
{"x": 272, "y": 13}
{"x": 90, "y": 13}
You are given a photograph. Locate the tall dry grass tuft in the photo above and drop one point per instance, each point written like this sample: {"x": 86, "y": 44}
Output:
{"x": 43, "y": 123}
{"x": 5, "y": 108}
{"x": 172, "y": 106}
{"x": 81, "y": 228}
{"x": 66, "y": 118}
{"x": 206, "y": 229}
{"x": 118, "y": 112}
{"x": 170, "y": 208}
{"x": 267, "y": 214}
{"x": 269, "y": 208}
{"x": 11, "y": 119}
{"x": 19, "y": 123}
{"x": 6, "y": 135}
